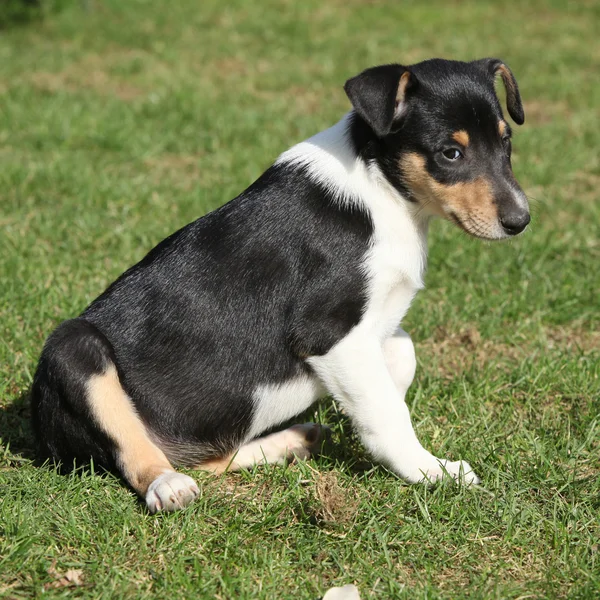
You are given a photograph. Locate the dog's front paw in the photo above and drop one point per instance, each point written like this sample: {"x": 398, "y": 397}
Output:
{"x": 171, "y": 491}
{"x": 459, "y": 470}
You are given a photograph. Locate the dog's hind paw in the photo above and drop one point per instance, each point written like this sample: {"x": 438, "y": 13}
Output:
{"x": 171, "y": 491}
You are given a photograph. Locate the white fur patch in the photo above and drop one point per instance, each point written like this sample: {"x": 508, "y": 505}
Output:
{"x": 296, "y": 441}
{"x": 329, "y": 160}
{"x": 171, "y": 491}
{"x": 276, "y": 404}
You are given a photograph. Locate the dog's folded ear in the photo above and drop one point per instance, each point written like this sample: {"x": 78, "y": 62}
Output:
{"x": 495, "y": 67}
{"x": 379, "y": 94}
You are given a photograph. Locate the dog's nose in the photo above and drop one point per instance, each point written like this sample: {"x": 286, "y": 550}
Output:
{"x": 514, "y": 223}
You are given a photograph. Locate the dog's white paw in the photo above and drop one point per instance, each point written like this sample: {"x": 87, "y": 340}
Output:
{"x": 171, "y": 491}
{"x": 459, "y": 470}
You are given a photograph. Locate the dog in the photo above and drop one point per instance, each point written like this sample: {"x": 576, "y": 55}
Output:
{"x": 295, "y": 289}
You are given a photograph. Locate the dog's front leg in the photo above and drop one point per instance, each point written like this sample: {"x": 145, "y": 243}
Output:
{"x": 370, "y": 383}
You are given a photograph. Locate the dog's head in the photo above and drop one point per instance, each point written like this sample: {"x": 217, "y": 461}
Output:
{"x": 437, "y": 131}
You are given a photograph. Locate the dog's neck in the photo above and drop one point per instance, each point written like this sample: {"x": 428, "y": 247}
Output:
{"x": 331, "y": 160}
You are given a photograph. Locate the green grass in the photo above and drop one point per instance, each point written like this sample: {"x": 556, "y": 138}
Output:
{"x": 121, "y": 122}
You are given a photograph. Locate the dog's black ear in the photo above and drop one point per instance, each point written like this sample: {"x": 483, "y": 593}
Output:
{"x": 495, "y": 67}
{"x": 379, "y": 95}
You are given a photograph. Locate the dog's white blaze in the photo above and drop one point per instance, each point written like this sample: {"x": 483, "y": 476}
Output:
{"x": 358, "y": 369}
{"x": 276, "y": 404}
{"x": 520, "y": 198}
{"x": 396, "y": 262}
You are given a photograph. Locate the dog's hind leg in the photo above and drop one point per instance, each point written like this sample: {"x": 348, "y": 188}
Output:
{"x": 297, "y": 441}
{"x": 81, "y": 411}
{"x": 142, "y": 463}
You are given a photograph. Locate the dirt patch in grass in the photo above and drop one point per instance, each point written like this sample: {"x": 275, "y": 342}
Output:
{"x": 303, "y": 100}
{"x": 542, "y": 112}
{"x": 333, "y": 501}
{"x": 233, "y": 67}
{"x": 564, "y": 338}
{"x": 320, "y": 498}
{"x": 184, "y": 170}
{"x": 109, "y": 74}
{"x": 74, "y": 80}
{"x": 457, "y": 352}
{"x": 251, "y": 78}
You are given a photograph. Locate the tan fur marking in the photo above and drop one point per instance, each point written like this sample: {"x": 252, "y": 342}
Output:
{"x": 507, "y": 79}
{"x": 462, "y": 137}
{"x": 402, "y": 85}
{"x": 139, "y": 459}
{"x": 501, "y": 128}
{"x": 297, "y": 441}
{"x": 470, "y": 201}
{"x": 219, "y": 465}
{"x": 510, "y": 84}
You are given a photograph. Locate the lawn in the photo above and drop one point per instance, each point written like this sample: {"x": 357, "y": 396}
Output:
{"x": 122, "y": 121}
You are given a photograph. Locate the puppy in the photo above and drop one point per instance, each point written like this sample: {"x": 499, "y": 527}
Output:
{"x": 295, "y": 289}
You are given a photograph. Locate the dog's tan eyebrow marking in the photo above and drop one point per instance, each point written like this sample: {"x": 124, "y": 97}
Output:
{"x": 502, "y": 127}
{"x": 462, "y": 137}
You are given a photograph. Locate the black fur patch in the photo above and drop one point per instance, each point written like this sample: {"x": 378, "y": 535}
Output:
{"x": 236, "y": 299}
{"x": 62, "y": 420}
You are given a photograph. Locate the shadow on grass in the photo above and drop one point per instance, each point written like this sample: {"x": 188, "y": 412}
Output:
{"x": 18, "y": 444}
{"x": 15, "y": 428}
{"x": 342, "y": 445}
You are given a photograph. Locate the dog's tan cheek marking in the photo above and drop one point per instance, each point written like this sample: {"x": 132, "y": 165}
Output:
{"x": 501, "y": 128}
{"x": 139, "y": 459}
{"x": 470, "y": 198}
{"x": 414, "y": 173}
{"x": 462, "y": 137}
{"x": 463, "y": 199}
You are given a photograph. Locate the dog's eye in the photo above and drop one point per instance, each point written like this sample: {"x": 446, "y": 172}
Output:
{"x": 507, "y": 145}
{"x": 452, "y": 153}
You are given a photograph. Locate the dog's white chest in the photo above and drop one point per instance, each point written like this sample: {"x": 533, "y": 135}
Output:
{"x": 395, "y": 265}
{"x": 395, "y": 279}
